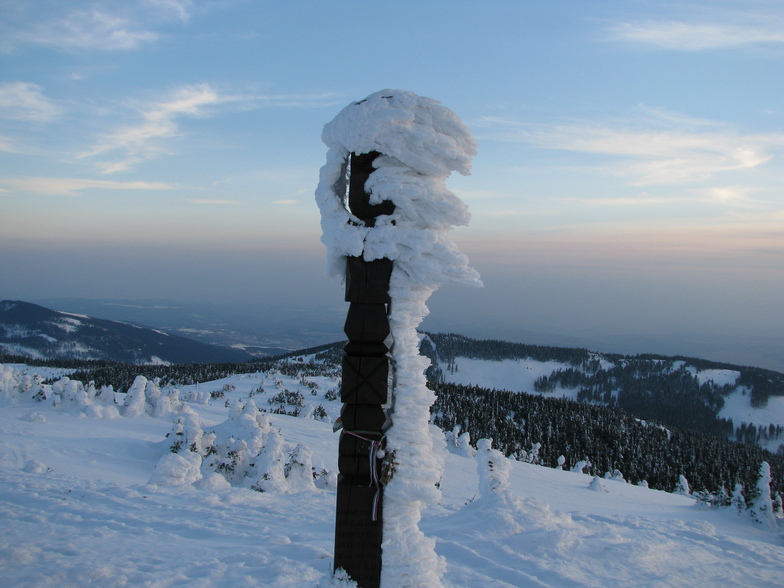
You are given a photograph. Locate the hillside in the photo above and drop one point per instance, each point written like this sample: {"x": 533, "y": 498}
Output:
{"x": 37, "y": 332}
{"x": 109, "y": 472}
{"x": 740, "y": 403}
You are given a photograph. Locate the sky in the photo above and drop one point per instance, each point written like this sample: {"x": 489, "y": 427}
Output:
{"x": 626, "y": 194}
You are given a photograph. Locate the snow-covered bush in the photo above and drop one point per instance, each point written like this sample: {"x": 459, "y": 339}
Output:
{"x": 738, "y": 501}
{"x": 145, "y": 398}
{"x": 174, "y": 469}
{"x": 682, "y": 487}
{"x": 493, "y": 468}
{"x": 761, "y": 507}
{"x": 245, "y": 450}
{"x": 9, "y": 382}
{"x": 581, "y": 467}
{"x": 188, "y": 435}
{"x": 597, "y": 484}
{"x": 459, "y": 441}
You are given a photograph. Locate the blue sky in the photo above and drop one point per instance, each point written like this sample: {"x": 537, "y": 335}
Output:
{"x": 627, "y": 187}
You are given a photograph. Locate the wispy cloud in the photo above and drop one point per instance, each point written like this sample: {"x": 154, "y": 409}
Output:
{"x": 94, "y": 29}
{"x": 72, "y": 186}
{"x": 654, "y": 149}
{"x": 25, "y": 101}
{"x": 210, "y": 202}
{"x": 725, "y": 195}
{"x": 144, "y": 141}
{"x": 180, "y": 9}
{"x": 104, "y": 26}
{"x": 730, "y": 195}
{"x": 160, "y": 121}
{"x": 696, "y": 36}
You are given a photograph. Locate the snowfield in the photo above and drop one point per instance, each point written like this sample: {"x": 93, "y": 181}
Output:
{"x": 78, "y": 509}
{"x": 515, "y": 375}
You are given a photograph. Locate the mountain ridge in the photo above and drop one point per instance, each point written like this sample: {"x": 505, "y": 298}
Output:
{"x": 38, "y": 332}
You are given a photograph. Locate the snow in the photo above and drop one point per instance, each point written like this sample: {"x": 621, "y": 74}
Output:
{"x": 69, "y": 325}
{"x": 738, "y": 408}
{"x": 718, "y": 377}
{"x": 82, "y": 506}
{"x": 515, "y": 375}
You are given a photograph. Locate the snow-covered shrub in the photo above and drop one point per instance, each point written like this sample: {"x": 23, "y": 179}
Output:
{"x": 325, "y": 480}
{"x": 145, "y": 398}
{"x": 174, "y": 469}
{"x": 9, "y": 382}
{"x": 463, "y": 444}
{"x": 720, "y": 499}
{"x": 738, "y": 501}
{"x": 459, "y": 442}
{"x": 597, "y": 484}
{"x": 581, "y": 467}
{"x": 778, "y": 506}
{"x": 299, "y": 470}
{"x": 288, "y": 402}
{"x": 246, "y": 451}
{"x": 493, "y": 468}
{"x": 682, "y": 487}
{"x": 533, "y": 455}
{"x": 187, "y": 435}
{"x": 340, "y": 579}
{"x": 270, "y": 467}
{"x": 761, "y": 507}
{"x": 135, "y": 401}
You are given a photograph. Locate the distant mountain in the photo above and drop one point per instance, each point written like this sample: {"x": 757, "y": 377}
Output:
{"x": 35, "y": 331}
{"x": 261, "y": 329}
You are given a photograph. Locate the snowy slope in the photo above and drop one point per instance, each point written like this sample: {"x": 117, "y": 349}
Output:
{"x": 79, "y": 510}
{"x": 515, "y": 375}
{"x": 519, "y": 375}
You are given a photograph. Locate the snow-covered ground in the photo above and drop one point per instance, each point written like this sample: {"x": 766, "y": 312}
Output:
{"x": 515, "y": 375}
{"x": 78, "y": 509}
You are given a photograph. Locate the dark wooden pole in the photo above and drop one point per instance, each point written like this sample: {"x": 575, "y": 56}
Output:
{"x": 364, "y": 390}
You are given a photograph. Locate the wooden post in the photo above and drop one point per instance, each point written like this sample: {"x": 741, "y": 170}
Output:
{"x": 364, "y": 390}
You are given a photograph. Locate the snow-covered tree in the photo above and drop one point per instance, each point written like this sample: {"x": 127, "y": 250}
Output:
{"x": 778, "y": 506}
{"x": 299, "y": 470}
{"x": 682, "y": 487}
{"x": 135, "y": 401}
{"x": 738, "y": 501}
{"x": 761, "y": 507}
{"x": 581, "y": 466}
{"x": 597, "y": 484}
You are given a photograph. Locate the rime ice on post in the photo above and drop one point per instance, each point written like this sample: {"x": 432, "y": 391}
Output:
{"x": 384, "y": 205}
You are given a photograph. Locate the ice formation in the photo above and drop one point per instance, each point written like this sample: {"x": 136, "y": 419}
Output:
{"x": 421, "y": 143}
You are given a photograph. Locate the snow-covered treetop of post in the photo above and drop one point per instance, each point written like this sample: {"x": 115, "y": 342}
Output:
{"x": 421, "y": 143}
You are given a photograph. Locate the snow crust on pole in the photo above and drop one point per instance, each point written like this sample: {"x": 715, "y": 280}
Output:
{"x": 421, "y": 143}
